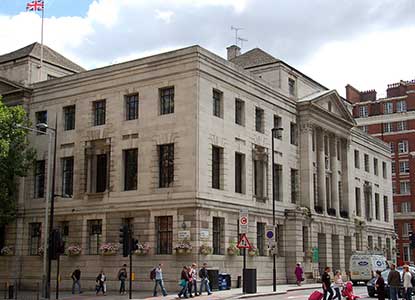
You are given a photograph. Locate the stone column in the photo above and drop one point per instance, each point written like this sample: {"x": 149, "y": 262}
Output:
{"x": 306, "y": 166}
{"x": 347, "y": 195}
{"x": 293, "y": 245}
{"x": 325, "y": 250}
{"x": 334, "y": 175}
{"x": 321, "y": 171}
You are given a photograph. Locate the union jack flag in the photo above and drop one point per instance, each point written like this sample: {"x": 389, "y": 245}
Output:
{"x": 36, "y": 5}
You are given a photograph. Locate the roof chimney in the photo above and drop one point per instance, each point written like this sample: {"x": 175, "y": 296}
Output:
{"x": 233, "y": 51}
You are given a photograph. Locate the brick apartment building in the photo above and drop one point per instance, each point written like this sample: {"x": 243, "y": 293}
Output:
{"x": 392, "y": 119}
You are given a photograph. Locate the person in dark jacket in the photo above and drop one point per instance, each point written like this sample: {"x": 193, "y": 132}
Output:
{"x": 394, "y": 281}
{"x": 325, "y": 279}
{"x": 100, "y": 280}
{"x": 76, "y": 280}
{"x": 380, "y": 285}
{"x": 122, "y": 277}
{"x": 184, "y": 282}
{"x": 204, "y": 280}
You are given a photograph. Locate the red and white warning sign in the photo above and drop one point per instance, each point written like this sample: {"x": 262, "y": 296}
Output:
{"x": 243, "y": 221}
{"x": 244, "y": 242}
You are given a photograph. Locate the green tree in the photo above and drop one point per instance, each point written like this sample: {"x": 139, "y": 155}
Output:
{"x": 16, "y": 158}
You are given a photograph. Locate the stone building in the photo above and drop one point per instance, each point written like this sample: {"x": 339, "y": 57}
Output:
{"x": 176, "y": 144}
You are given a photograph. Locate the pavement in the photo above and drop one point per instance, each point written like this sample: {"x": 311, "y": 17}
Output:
{"x": 235, "y": 293}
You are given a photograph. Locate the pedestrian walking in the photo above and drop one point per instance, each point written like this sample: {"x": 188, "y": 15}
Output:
{"x": 338, "y": 284}
{"x": 204, "y": 280}
{"x": 193, "y": 280}
{"x": 76, "y": 280}
{"x": 380, "y": 285}
{"x": 190, "y": 282}
{"x": 158, "y": 280}
{"x": 394, "y": 281}
{"x": 407, "y": 283}
{"x": 122, "y": 277}
{"x": 101, "y": 285}
{"x": 325, "y": 279}
{"x": 299, "y": 273}
{"x": 184, "y": 282}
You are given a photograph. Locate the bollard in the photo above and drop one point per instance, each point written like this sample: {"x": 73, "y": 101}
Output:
{"x": 11, "y": 292}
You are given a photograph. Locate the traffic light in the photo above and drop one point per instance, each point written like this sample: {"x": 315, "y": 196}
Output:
{"x": 56, "y": 245}
{"x": 125, "y": 240}
{"x": 412, "y": 240}
{"x": 134, "y": 244}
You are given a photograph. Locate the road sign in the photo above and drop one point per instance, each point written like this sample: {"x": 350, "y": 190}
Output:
{"x": 244, "y": 242}
{"x": 270, "y": 234}
{"x": 243, "y": 220}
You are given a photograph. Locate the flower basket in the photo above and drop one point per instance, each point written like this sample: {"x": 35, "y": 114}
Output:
{"x": 205, "y": 250}
{"x": 108, "y": 249}
{"x": 40, "y": 251}
{"x": 7, "y": 251}
{"x": 143, "y": 249}
{"x": 232, "y": 250}
{"x": 253, "y": 251}
{"x": 183, "y": 248}
{"x": 74, "y": 250}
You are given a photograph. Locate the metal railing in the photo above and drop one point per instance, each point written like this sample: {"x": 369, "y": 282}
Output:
{"x": 11, "y": 290}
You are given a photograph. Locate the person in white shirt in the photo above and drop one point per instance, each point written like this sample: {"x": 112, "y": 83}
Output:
{"x": 337, "y": 285}
{"x": 407, "y": 285}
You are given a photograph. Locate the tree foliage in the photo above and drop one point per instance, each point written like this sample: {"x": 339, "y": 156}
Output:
{"x": 16, "y": 157}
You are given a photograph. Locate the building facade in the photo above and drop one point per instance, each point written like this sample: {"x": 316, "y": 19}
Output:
{"x": 392, "y": 120}
{"x": 175, "y": 145}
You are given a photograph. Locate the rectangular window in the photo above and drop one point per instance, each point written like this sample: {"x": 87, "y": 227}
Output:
{"x": 102, "y": 173}
{"x": 291, "y": 86}
{"x": 217, "y": 101}
{"x": 377, "y": 206}
{"x": 39, "y": 179}
{"x": 239, "y": 173}
{"x": 259, "y": 119}
{"x": 375, "y": 166}
{"x": 131, "y": 107}
{"x": 239, "y": 112}
{"x": 164, "y": 227}
{"x": 278, "y": 125}
{"x": 260, "y": 238}
{"x": 67, "y": 176}
{"x": 293, "y": 134}
{"x": 407, "y": 229}
{"x": 217, "y": 163}
{"x": 401, "y": 106}
{"x": 393, "y": 168}
{"x": 130, "y": 169}
{"x": 384, "y": 170}
{"x": 386, "y": 208}
{"x": 405, "y": 188}
{"x": 406, "y": 207}
{"x": 166, "y": 100}
{"x": 356, "y": 159}
{"x": 392, "y": 147}
{"x": 278, "y": 182}
{"x": 394, "y": 187}
{"x": 387, "y": 108}
{"x": 406, "y": 253}
{"x": 166, "y": 165}
{"x": 366, "y": 157}
{"x": 218, "y": 235}
{"x": 94, "y": 236}
{"x": 358, "y": 202}
{"x": 41, "y": 118}
{"x": 34, "y": 238}
{"x": 363, "y": 111}
{"x": 370, "y": 242}
{"x": 387, "y": 127}
{"x": 404, "y": 167}
{"x": 260, "y": 165}
{"x": 401, "y": 126}
{"x": 294, "y": 185}
{"x": 69, "y": 117}
{"x": 99, "y": 112}
{"x": 403, "y": 147}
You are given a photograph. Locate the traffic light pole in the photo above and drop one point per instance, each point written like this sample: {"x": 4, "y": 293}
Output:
{"x": 57, "y": 276}
{"x": 130, "y": 289}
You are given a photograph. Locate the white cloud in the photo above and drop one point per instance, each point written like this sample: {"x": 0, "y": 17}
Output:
{"x": 165, "y": 16}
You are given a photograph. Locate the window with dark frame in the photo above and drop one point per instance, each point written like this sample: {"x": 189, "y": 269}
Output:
{"x": 94, "y": 236}
{"x": 239, "y": 172}
{"x": 67, "y": 175}
{"x": 99, "y": 112}
{"x": 166, "y": 100}
{"x": 131, "y": 107}
{"x": 218, "y": 235}
{"x": 239, "y": 112}
{"x": 217, "y": 99}
{"x": 291, "y": 86}
{"x": 386, "y": 208}
{"x": 69, "y": 117}
{"x": 294, "y": 186}
{"x": 259, "y": 119}
{"x": 277, "y": 124}
{"x": 216, "y": 167}
{"x": 260, "y": 238}
{"x": 278, "y": 182}
{"x": 377, "y": 206}
{"x": 41, "y": 117}
{"x": 35, "y": 230}
{"x": 40, "y": 171}
{"x": 102, "y": 173}
{"x": 164, "y": 227}
{"x": 166, "y": 165}
{"x": 293, "y": 134}
{"x": 260, "y": 162}
{"x": 130, "y": 169}
{"x": 366, "y": 161}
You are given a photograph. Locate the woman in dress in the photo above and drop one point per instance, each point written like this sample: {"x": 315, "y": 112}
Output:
{"x": 298, "y": 274}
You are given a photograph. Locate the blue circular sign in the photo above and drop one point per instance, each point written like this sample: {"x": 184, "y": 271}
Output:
{"x": 270, "y": 234}
{"x": 378, "y": 263}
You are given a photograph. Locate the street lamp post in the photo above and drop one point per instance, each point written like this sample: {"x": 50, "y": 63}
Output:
{"x": 274, "y": 193}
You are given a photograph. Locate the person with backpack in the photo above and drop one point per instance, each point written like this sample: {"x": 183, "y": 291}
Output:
{"x": 204, "y": 280}
{"x": 325, "y": 279}
{"x": 100, "y": 280}
{"x": 122, "y": 277}
{"x": 184, "y": 282}
{"x": 76, "y": 280}
{"x": 407, "y": 283}
{"x": 157, "y": 275}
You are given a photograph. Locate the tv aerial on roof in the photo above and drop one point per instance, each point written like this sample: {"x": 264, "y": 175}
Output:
{"x": 236, "y": 33}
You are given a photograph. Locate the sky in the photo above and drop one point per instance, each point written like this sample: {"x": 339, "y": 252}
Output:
{"x": 365, "y": 43}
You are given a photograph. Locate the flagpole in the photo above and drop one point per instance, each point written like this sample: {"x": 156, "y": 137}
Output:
{"x": 41, "y": 42}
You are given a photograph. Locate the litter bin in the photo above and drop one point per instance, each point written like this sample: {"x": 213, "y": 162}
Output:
{"x": 213, "y": 276}
{"x": 224, "y": 281}
{"x": 249, "y": 281}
